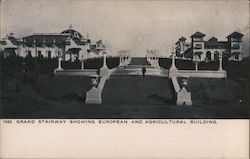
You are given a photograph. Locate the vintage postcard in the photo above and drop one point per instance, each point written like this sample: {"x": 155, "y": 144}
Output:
{"x": 124, "y": 79}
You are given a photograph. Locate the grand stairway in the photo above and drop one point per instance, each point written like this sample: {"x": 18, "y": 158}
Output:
{"x": 135, "y": 68}
{"x": 139, "y": 61}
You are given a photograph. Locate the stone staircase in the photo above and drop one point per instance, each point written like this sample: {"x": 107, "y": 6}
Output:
{"x": 137, "y": 90}
{"x": 139, "y": 61}
{"x": 135, "y": 68}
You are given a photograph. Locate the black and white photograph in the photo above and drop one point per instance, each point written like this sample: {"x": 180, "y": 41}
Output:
{"x": 82, "y": 79}
{"x": 124, "y": 59}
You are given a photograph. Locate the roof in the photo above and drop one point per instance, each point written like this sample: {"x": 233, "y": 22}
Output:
{"x": 188, "y": 52}
{"x": 45, "y": 38}
{"x": 216, "y": 44}
{"x": 235, "y": 35}
{"x": 49, "y": 39}
{"x": 198, "y": 52}
{"x": 10, "y": 40}
{"x": 198, "y": 34}
{"x": 213, "y": 39}
{"x": 236, "y": 53}
{"x": 72, "y": 33}
{"x": 182, "y": 39}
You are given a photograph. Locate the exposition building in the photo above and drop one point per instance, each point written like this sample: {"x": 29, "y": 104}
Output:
{"x": 69, "y": 44}
{"x": 201, "y": 50}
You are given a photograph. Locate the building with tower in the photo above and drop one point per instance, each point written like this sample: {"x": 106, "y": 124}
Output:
{"x": 201, "y": 50}
{"x": 70, "y": 44}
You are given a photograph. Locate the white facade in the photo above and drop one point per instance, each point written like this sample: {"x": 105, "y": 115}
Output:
{"x": 69, "y": 44}
{"x": 201, "y": 50}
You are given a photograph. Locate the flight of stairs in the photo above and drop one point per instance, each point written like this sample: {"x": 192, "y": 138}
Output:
{"x": 139, "y": 61}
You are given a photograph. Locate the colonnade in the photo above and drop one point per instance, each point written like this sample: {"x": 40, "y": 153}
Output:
{"x": 153, "y": 57}
{"x": 125, "y": 58}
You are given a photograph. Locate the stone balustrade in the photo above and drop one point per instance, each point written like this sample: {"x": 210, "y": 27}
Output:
{"x": 125, "y": 58}
{"x": 94, "y": 95}
{"x": 183, "y": 97}
{"x": 153, "y": 58}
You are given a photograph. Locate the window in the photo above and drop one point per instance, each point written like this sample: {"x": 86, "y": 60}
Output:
{"x": 40, "y": 54}
{"x": 29, "y": 54}
{"x": 197, "y": 57}
{"x": 197, "y": 39}
{"x": 198, "y": 46}
{"x": 216, "y": 56}
{"x": 235, "y": 46}
{"x": 49, "y": 54}
{"x": 236, "y": 57}
{"x": 208, "y": 55}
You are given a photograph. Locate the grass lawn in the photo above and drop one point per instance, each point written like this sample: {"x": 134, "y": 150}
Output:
{"x": 63, "y": 97}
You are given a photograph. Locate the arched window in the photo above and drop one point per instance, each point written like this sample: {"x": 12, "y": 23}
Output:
{"x": 39, "y": 54}
{"x": 236, "y": 57}
{"x": 49, "y": 54}
{"x": 216, "y": 56}
{"x": 208, "y": 56}
{"x": 29, "y": 53}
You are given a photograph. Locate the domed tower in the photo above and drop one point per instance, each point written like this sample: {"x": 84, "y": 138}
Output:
{"x": 72, "y": 33}
{"x": 76, "y": 46}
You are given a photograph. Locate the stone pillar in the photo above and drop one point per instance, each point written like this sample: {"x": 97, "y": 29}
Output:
{"x": 124, "y": 59}
{"x": 220, "y": 59}
{"x": 196, "y": 66}
{"x": 104, "y": 69}
{"x": 183, "y": 96}
{"x": 59, "y": 68}
{"x": 82, "y": 65}
{"x": 212, "y": 56}
{"x": 173, "y": 71}
{"x": 104, "y": 59}
{"x": 59, "y": 63}
{"x": 93, "y": 96}
{"x": 158, "y": 65}
{"x": 173, "y": 60}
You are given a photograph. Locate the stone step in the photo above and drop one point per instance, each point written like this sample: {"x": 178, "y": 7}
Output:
{"x": 138, "y": 71}
{"x": 139, "y": 61}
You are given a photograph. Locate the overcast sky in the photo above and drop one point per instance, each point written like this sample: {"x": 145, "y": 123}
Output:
{"x": 134, "y": 25}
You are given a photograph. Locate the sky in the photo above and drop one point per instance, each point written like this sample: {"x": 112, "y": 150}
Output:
{"x": 131, "y": 25}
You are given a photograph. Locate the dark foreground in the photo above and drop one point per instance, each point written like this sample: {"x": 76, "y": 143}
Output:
{"x": 131, "y": 97}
